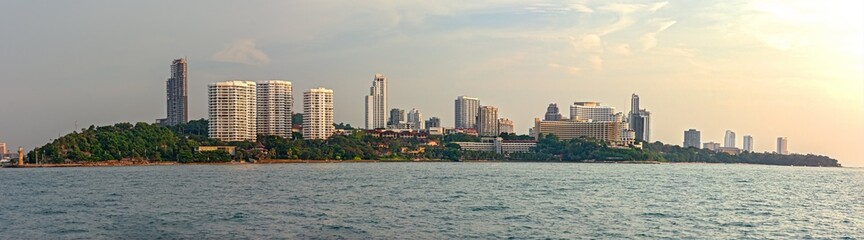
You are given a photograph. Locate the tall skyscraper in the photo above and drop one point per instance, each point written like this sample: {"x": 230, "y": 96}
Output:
{"x": 178, "y": 101}
{"x": 640, "y": 123}
{"x": 232, "y": 111}
{"x": 433, "y": 122}
{"x": 466, "y": 112}
{"x": 729, "y": 140}
{"x": 397, "y": 117}
{"x": 2, "y": 149}
{"x": 692, "y": 138}
{"x": 782, "y": 145}
{"x": 415, "y": 120}
{"x": 640, "y": 120}
{"x": 506, "y": 126}
{"x": 487, "y": 121}
{"x": 591, "y": 111}
{"x": 748, "y": 143}
{"x": 275, "y": 105}
{"x": 552, "y": 113}
{"x": 376, "y": 103}
{"x": 318, "y": 113}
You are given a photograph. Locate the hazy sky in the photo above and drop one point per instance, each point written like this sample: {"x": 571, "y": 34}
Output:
{"x": 763, "y": 68}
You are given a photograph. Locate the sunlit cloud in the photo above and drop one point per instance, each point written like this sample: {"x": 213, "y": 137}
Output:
{"x": 243, "y": 51}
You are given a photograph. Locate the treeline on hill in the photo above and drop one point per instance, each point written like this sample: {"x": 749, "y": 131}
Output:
{"x": 150, "y": 142}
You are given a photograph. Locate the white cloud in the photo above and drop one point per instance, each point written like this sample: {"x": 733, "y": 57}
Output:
{"x": 649, "y": 40}
{"x": 243, "y": 51}
{"x": 588, "y": 43}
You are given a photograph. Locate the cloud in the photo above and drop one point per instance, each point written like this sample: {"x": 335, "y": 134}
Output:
{"x": 588, "y": 43}
{"x": 581, "y": 8}
{"x": 649, "y": 40}
{"x": 243, "y": 51}
{"x": 596, "y": 62}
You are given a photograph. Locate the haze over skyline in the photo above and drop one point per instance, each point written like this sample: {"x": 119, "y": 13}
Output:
{"x": 762, "y": 68}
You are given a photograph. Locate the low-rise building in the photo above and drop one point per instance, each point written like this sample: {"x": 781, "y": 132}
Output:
{"x": 711, "y": 146}
{"x": 565, "y": 130}
{"x": 229, "y": 149}
{"x": 498, "y": 145}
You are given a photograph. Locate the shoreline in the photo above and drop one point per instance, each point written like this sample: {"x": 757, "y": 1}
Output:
{"x": 115, "y": 163}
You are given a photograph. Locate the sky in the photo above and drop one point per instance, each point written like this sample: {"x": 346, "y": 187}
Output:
{"x": 760, "y": 68}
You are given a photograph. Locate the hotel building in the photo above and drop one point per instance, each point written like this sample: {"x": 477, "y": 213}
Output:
{"x": 232, "y": 111}
{"x": 318, "y": 113}
{"x": 376, "y": 103}
{"x": 275, "y": 105}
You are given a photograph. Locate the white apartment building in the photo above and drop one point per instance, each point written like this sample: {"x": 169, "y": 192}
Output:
{"x": 592, "y": 111}
{"x": 498, "y": 145}
{"x": 318, "y": 113}
{"x": 275, "y": 106}
{"x": 729, "y": 140}
{"x": 748, "y": 143}
{"x": 782, "y": 145}
{"x": 466, "y": 112}
{"x": 232, "y": 111}
{"x": 376, "y": 103}
{"x": 415, "y": 120}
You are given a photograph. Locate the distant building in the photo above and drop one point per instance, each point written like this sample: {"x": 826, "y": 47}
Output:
{"x": 729, "y": 140}
{"x": 506, "y": 126}
{"x": 397, "y": 116}
{"x": 711, "y": 146}
{"x": 498, "y": 145}
{"x": 376, "y": 103}
{"x": 232, "y": 111}
{"x": 466, "y": 112}
{"x": 748, "y": 143}
{"x": 640, "y": 123}
{"x": 692, "y": 138}
{"x": 729, "y": 150}
{"x": 639, "y": 120}
{"x": 178, "y": 100}
{"x": 275, "y": 106}
{"x": 231, "y": 150}
{"x": 318, "y": 113}
{"x": 487, "y": 121}
{"x": 566, "y": 130}
{"x": 592, "y": 111}
{"x": 415, "y": 119}
{"x": 782, "y": 145}
{"x": 2, "y": 149}
{"x": 433, "y": 122}
{"x": 552, "y": 113}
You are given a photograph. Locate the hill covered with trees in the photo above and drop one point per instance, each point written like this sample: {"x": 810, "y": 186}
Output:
{"x": 154, "y": 143}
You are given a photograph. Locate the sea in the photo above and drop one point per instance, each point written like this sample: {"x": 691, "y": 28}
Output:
{"x": 487, "y": 200}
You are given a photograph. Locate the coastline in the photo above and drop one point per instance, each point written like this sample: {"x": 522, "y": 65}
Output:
{"x": 115, "y": 163}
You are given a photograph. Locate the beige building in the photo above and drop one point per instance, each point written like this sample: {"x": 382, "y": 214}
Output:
{"x": 566, "y": 130}
{"x": 274, "y": 108}
{"x": 2, "y": 149}
{"x": 318, "y": 113}
{"x": 232, "y": 111}
{"x": 506, "y": 126}
{"x": 498, "y": 145}
{"x": 487, "y": 121}
{"x": 592, "y": 111}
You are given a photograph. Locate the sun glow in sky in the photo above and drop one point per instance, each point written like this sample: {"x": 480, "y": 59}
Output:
{"x": 760, "y": 68}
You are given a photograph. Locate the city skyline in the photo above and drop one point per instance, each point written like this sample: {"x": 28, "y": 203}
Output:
{"x": 687, "y": 66}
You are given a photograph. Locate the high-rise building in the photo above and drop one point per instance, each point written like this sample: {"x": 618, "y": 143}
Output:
{"x": 275, "y": 105}
{"x": 487, "y": 121}
{"x": 466, "y": 112}
{"x": 232, "y": 111}
{"x": 640, "y": 123}
{"x": 2, "y": 149}
{"x": 552, "y": 113}
{"x": 748, "y": 143}
{"x": 318, "y": 113}
{"x": 506, "y": 126}
{"x": 415, "y": 120}
{"x": 178, "y": 101}
{"x": 729, "y": 140}
{"x": 433, "y": 122}
{"x": 782, "y": 145}
{"x": 591, "y": 111}
{"x": 692, "y": 138}
{"x": 566, "y": 130}
{"x": 639, "y": 120}
{"x": 376, "y": 103}
{"x": 397, "y": 117}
